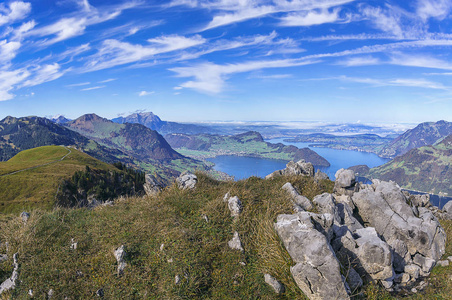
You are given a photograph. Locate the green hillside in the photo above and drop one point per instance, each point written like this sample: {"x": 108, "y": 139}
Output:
{"x": 425, "y": 169}
{"x": 32, "y": 177}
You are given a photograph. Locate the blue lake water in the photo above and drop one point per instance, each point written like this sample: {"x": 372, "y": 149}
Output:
{"x": 243, "y": 167}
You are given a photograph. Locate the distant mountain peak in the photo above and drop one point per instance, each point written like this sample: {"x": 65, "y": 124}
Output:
{"x": 92, "y": 118}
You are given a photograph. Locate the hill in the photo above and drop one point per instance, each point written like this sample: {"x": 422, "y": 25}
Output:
{"x": 17, "y": 134}
{"x": 153, "y": 122}
{"x": 246, "y": 144}
{"x": 146, "y": 147}
{"x": 425, "y": 169}
{"x": 424, "y": 134}
{"x": 176, "y": 246}
{"x": 33, "y": 178}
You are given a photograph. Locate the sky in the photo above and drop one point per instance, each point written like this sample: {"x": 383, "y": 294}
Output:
{"x": 244, "y": 60}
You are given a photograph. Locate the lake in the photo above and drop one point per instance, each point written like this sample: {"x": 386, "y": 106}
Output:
{"x": 244, "y": 167}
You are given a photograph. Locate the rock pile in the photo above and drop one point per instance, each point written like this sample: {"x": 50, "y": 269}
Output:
{"x": 375, "y": 232}
{"x": 300, "y": 167}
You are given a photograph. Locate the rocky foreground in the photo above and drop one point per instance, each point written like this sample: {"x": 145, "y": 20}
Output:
{"x": 372, "y": 232}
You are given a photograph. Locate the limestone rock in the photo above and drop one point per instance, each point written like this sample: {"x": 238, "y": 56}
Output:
{"x": 386, "y": 209}
{"x": 10, "y": 283}
{"x": 345, "y": 182}
{"x": 298, "y": 200}
{"x": 443, "y": 263}
{"x": 300, "y": 167}
{"x": 354, "y": 280}
{"x": 187, "y": 181}
{"x": 447, "y": 209}
{"x": 3, "y": 257}
{"x": 151, "y": 187}
{"x": 25, "y": 216}
{"x": 176, "y": 279}
{"x": 73, "y": 244}
{"x": 277, "y": 286}
{"x": 319, "y": 175}
{"x": 119, "y": 255}
{"x": 235, "y": 243}
{"x": 316, "y": 269}
{"x": 235, "y": 206}
{"x": 419, "y": 200}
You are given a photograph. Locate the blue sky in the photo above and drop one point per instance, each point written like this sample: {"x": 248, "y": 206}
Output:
{"x": 198, "y": 60}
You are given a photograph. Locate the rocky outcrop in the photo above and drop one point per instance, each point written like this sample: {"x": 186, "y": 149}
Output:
{"x": 375, "y": 232}
{"x": 119, "y": 255}
{"x": 316, "y": 270}
{"x": 300, "y": 167}
{"x": 235, "y": 206}
{"x": 300, "y": 202}
{"x": 447, "y": 209}
{"x": 151, "y": 187}
{"x": 10, "y": 283}
{"x": 319, "y": 175}
{"x": 187, "y": 181}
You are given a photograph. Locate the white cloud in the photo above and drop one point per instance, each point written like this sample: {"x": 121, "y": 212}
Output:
{"x": 8, "y": 51}
{"x": 145, "y": 93}
{"x": 108, "y": 80}
{"x": 387, "y": 20}
{"x": 15, "y": 11}
{"x": 79, "y": 84}
{"x": 8, "y": 79}
{"x": 210, "y": 77}
{"x": 113, "y": 52}
{"x": 401, "y": 82}
{"x": 310, "y": 18}
{"x": 94, "y": 88}
{"x": 43, "y": 74}
{"x": 359, "y": 61}
{"x": 438, "y": 9}
{"x": 421, "y": 61}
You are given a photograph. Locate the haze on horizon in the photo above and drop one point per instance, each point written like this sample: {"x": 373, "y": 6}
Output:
{"x": 201, "y": 60}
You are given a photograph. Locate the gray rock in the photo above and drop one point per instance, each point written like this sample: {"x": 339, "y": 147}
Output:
{"x": 386, "y": 209}
{"x": 297, "y": 199}
{"x": 50, "y": 294}
{"x": 235, "y": 243}
{"x": 413, "y": 270}
{"x": 294, "y": 168}
{"x": 119, "y": 255}
{"x": 354, "y": 280}
{"x": 10, "y": 283}
{"x": 447, "y": 209}
{"x": 449, "y": 258}
{"x": 345, "y": 183}
{"x": 419, "y": 200}
{"x": 443, "y": 263}
{"x": 277, "y": 286}
{"x": 187, "y": 181}
{"x": 235, "y": 206}
{"x": 3, "y": 257}
{"x": 73, "y": 244}
{"x": 319, "y": 175}
{"x": 25, "y": 216}
{"x": 151, "y": 187}
{"x": 316, "y": 269}
{"x": 100, "y": 293}
{"x": 176, "y": 279}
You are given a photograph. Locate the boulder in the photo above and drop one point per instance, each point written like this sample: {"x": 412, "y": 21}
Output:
{"x": 151, "y": 187}
{"x": 298, "y": 200}
{"x": 345, "y": 182}
{"x": 10, "y": 283}
{"x": 277, "y": 286}
{"x": 235, "y": 206}
{"x": 300, "y": 167}
{"x": 119, "y": 255}
{"x": 316, "y": 269}
{"x": 235, "y": 243}
{"x": 187, "y": 181}
{"x": 25, "y": 216}
{"x": 319, "y": 175}
{"x": 447, "y": 209}
{"x": 384, "y": 207}
{"x": 422, "y": 200}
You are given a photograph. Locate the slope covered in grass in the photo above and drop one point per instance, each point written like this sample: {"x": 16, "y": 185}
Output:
{"x": 182, "y": 233}
{"x": 44, "y": 168}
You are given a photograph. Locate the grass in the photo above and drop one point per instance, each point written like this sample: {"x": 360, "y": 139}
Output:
{"x": 36, "y": 188}
{"x": 198, "y": 249}
{"x": 194, "y": 249}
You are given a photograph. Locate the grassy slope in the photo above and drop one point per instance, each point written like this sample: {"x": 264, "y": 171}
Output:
{"x": 207, "y": 267}
{"x": 198, "y": 249}
{"x": 37, "y": 187}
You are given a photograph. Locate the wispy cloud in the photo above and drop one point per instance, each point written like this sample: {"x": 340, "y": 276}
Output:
{"x": 438, "y": 9}
{"x": 145, "y": 93}
{"x": 210, "y": 78}
{"x": 94, "y": 88}
{"x": 310, "y": 18}
{"x": 13, "y": 12}
{"x": 359, "y": 61}
{"x": 78, "y": 84}
{"x": 401, "y": 82}
{"x": 108, "y": 80}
